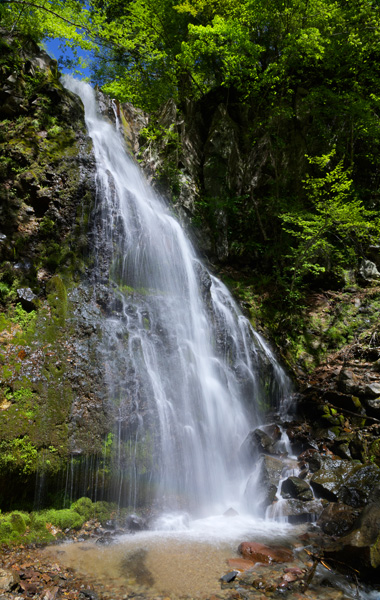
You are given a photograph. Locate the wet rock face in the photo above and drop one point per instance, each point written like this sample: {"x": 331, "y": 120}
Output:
{"x": 257, "y": 442}
{"x": 297, "y": 511}
{"x": 328, "y": 480}
{"x": 337, "y": 519}
{"x": 361, "y": 547}
{"x": 357, "y": 489}
{"x": 206, "y": 161}
{"x": 294, "y": 487}
{"x": 52, "y": 391}
{"x": 46, "y": 168}
{"x": 262, "y": 485}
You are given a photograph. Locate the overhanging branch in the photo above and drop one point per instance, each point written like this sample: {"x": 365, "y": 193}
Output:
{"x": 52, "y": 12}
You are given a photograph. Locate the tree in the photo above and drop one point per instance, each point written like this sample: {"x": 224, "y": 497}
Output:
{"x": 335, "y": 227}
{"x": 69, "y": 19}
{"x": 305, "y": 75}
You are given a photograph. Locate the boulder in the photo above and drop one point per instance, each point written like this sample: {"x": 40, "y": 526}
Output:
{"x": 27, "y": 298}
{"x": 230, "y": 576}
{"x": 296, "y": 511}
{"x": 327, "y": 481}
{"x": 373, "y": 407}
{"x": 337, "y": 518}
{"x": 240, "y": 564}
{"x": 135, "y": 523}
{"x": 295, "y": 487}
{"x": 9, "y": 580}
{"x": 360, "y": 549}
{"x": 372, "y": 390}
{"x": 348, "y": 382}
{"x": 231, "y": 512}
{"x": 341, "y": 448}
{"x": 256, "y": 552}
{"x": 368, "y": 270}
{"x": 300, "y": 435}
{"x": 262, "y": 485}
{"x": 348, "y": 401}
{"x": 356, "y": 490}
{"x": 257, "y": 442}
{"x": 313, "y": 459}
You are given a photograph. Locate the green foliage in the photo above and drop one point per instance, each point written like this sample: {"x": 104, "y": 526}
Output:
{"x": 21, "y": 317}
{"x": 69, "y": 20}
{"x": 66, "y": 518}
{"x": 22, "y": 527}
{"x": 18, "y": 522}
{"x": 335, "y": 227}
{"x": 38, "y": 521}
{"x": 18, "y": 454}
{"x": 84, "y": 507}
{"x": 24, "y": 400}
{"x": 6, "y": 530}
{"x": 94, "y": 510}
{"x": 104, "y": 510}
{"x": 4, "y": 291}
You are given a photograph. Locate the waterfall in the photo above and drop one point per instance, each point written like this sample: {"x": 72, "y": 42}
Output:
{"x": 187, "y": 376}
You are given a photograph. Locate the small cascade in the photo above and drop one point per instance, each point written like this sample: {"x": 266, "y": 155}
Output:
{"x": 293, "y": 499}
{"x": 187, "y": 375}
{"x": 277, "y": 510}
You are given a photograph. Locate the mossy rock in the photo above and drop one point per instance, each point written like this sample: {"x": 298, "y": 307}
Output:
{"x": 18, "y": 522}
{"x": 64, "y": 519}
{"x": 84, "y": 507}
{"x": 104, "y": 510}
{"x": 5, "y": 529}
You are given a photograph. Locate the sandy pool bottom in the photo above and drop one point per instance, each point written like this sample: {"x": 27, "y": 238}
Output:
{"x": 162, "y": 567}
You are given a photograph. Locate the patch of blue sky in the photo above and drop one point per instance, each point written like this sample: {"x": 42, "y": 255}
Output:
{"x": 64, "y": 54}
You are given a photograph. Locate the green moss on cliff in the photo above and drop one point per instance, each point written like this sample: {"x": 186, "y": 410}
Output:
{"x": 44, "y": 216}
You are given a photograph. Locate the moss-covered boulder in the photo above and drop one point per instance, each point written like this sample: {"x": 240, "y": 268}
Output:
{"x": 329, "y": 479}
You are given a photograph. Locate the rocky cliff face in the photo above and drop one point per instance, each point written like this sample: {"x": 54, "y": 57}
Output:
{"x": 224, "y": 170}
{"x": 52, "y": 411}
{"x": 202, "y": 158}
{"x": 55, "y": 421}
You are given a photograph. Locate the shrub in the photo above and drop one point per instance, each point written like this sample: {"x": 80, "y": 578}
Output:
{"x": 38, "y": 522}
{"x": 65, "y": 518}
{"x": 17, "y": 521}
{"x": 5, "y": 529}
{"x": 103, "y": 510}
{"x": 85, "y": 507}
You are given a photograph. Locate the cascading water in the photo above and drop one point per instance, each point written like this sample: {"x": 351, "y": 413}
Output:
{"x": 187, "y": 375}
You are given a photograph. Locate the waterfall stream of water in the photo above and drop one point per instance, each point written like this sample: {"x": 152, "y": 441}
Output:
{"x": 186, "y": 373}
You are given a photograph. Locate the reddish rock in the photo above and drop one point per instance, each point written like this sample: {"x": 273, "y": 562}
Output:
{"x": 240, "y": 564}
{"x": 256, "y": 552}
{"x": 295, "y": 570}
{"x": 289, "y": 577}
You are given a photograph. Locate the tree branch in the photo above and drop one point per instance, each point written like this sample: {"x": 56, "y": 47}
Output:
{"x": 33, "y": 5}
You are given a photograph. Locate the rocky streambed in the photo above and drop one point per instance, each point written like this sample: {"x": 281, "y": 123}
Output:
{"x": 144, "y": 565}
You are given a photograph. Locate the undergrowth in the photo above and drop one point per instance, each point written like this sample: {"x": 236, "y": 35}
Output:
{"x": 19, "y": 527}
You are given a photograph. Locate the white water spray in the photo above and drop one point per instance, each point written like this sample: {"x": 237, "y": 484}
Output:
{"x": 186, "y": 373}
